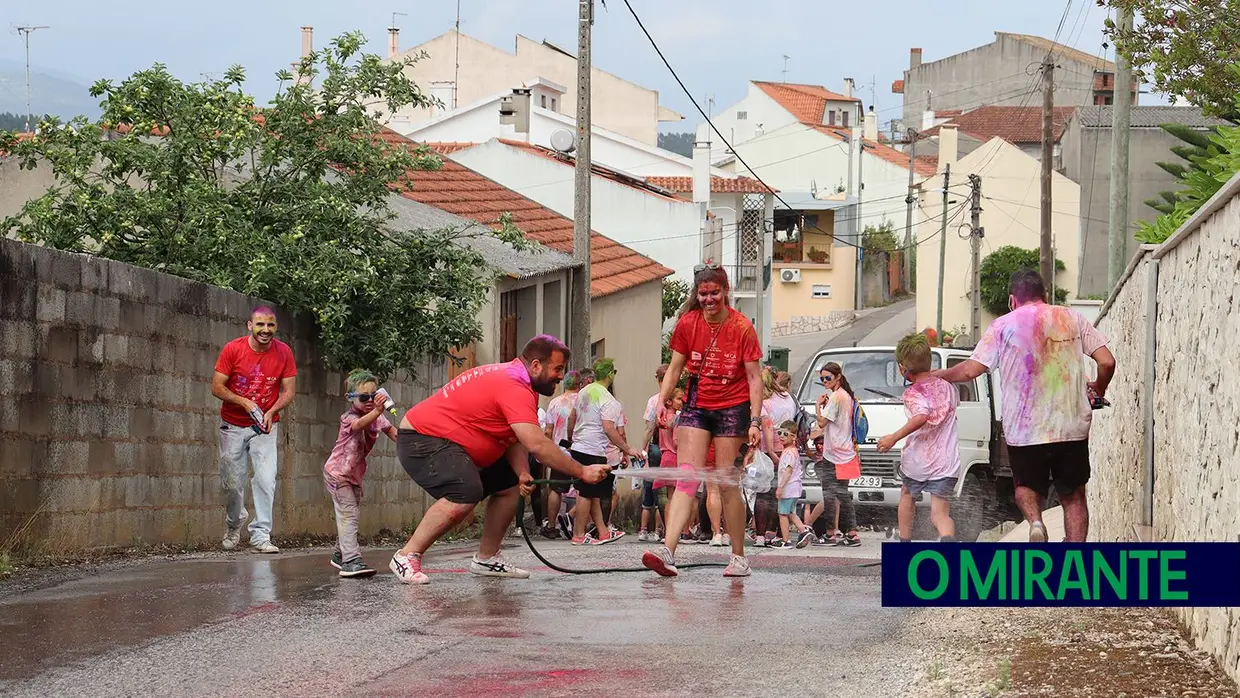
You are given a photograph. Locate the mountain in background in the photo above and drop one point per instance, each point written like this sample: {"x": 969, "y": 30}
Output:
{"x": 679, "y": 143}
{"x": 51, "y": 92}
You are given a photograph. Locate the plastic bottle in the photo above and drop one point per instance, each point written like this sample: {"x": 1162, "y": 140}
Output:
{"x": 259, "y": 420}
{"x": 389, "y": 405}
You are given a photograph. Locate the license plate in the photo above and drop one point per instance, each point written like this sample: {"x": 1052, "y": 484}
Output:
{"x": 866, "y": 481}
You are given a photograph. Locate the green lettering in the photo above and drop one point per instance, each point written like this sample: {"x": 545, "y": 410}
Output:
{"x": 1015, "y": 575}
{"x": 1073, "y": 566}
{"x": 1143, "y": 558}
{"x": 1038, "y": 577}
{"x": 971, "y": 577}
{"x": 1165, "y": 575}
{"x": 1102, "y": 568}
{"x": 913, "y": 584}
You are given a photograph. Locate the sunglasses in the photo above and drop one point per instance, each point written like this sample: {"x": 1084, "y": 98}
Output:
{"x": 783, "y": 433}
{"x": 827, "y": 378}
{"x": 364, "y": 397}
{"x": 698, "y": 269}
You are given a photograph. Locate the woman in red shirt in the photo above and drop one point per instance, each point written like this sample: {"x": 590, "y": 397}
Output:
{"x": 719, "y": 348}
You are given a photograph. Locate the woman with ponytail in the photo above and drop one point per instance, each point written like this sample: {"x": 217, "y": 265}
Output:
{"x": 840, "y": 459}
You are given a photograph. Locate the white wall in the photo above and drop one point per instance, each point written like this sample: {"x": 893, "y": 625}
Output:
{"x": 662, "y": 228}
{"x": 759, "y": 109}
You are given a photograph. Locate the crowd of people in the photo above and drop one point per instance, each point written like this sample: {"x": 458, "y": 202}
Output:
{"x": 482, "y": 436}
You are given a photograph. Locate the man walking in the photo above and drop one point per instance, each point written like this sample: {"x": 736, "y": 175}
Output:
{"x": 255, "y": 378}
{"x": 471, "y": 440}
{"x": 1038, "y": 351}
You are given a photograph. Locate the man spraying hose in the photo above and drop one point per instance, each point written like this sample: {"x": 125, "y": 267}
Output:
{"x": 471, "y": 440}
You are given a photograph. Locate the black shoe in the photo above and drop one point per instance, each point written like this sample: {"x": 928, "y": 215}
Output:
{"x": 550, "y": 532}
{"x": 851, "y": 540}
{"x": 806, "y": 537}
{"x": 565, "y": 525}
{"x": 336, "y": 561}
{"x": 779, "y": 543}
{"x": 356, "y": 568}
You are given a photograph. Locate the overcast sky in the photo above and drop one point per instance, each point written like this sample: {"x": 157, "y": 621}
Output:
{"x": 715, "y": 45}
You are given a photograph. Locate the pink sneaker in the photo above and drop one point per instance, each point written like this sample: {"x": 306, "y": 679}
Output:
{"x": 611, "y": 538}
{"x": 738, "y": 567}
{"x": 660, "y": 561}
{"x": 408, "y": 569}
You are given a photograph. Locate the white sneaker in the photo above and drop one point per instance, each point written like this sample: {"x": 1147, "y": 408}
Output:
{"x": 727, "y": 540}
{"x": 643, "y": 536}
{"x": 497, "y": 566}
{"x": 738, "y": 567}
{"x": 232, "y": 539}
{"x": 1037, "y": 533}
{"x": 717, "y": 541}
{"x": 266, "y": 548}
{"x": 408, "y": 569}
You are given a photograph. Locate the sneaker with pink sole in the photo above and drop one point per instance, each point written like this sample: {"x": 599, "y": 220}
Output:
{"x": 408, "y": 569}
{"x": 738, "y": 567}
{"x": 660, "y": 561}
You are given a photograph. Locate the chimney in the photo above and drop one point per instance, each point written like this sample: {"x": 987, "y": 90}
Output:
{"x": 871, "y": 125}
{"x": 701, "y": 172}
{"x": 927, "y": 119}
{"x": 442, "y": 90}
{"x": 849, "y": 86}
{"x": 307, "y": 41}
{"x": 393, "y": 42}
{"x": 514, "y": 110}
{"x": 914, "y": 58}
{"x": 948, "y": 146}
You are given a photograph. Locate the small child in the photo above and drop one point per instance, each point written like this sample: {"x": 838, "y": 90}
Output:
{"x": 346, "y": 466}
{"x": 930, "y": 458}
{"x": 666, "y": 419}
{"x": 790, "y": 489}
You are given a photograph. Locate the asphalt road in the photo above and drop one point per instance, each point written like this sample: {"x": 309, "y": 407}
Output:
{"x": 806, "y": 623}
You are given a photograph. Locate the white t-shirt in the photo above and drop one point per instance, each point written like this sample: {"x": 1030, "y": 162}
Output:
{"x": 594, "y": 405}
{"x": 837, "y": 443}
{"x": 614, "y": 457}
{"x": 779, "y": 409}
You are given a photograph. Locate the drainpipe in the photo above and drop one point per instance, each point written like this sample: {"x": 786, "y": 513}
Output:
{"x": 1151, "y": 336}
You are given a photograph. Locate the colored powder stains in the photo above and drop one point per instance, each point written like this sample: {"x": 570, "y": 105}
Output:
{"x": 523, "y": 682}
{"x": 261, "y": 608}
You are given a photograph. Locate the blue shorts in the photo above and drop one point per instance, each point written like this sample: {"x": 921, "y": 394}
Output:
{"x": 943, "y": 487}
{"x": 786, "y": 506}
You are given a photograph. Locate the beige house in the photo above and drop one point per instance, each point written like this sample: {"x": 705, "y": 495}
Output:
{"x": 533, "y": 294}
{"x": 1011, "y": 215}
{"x": 459, "y": 70}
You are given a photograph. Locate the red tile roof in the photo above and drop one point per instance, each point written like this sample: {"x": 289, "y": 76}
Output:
{"x": 806, "y": 102}
{"x": 718, "y": 185}
{"x": 449, "y": 147}
{"x": 1016, "y": 125}
{"x": 897, "y": 87}
{"x": 882, "y": 151}
{"x": 461, "y": 191}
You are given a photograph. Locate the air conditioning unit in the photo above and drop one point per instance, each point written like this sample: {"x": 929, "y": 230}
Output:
{"x": 790, "y": 276}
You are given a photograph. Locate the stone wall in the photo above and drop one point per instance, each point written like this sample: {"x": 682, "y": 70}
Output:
{"x": 804, "y": 324}
{"x": 108, "y": 425}
{"x": 1196, "y": 404}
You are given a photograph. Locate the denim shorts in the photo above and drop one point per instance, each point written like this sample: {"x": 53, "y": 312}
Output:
{"x": 943, "y": 487}
{"x": 729, "y": 422}
{"x": 786, "y": 506}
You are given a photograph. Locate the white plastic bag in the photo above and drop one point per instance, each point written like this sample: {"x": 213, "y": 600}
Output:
{"x": 759, "y": 474}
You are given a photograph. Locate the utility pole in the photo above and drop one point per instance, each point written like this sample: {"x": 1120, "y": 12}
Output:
{"x": 579, "y": 334}
{"x": 785, "y": 72}
{"x": 860, "y": 300}
{"x": 26, "y": 31}
{"x": 1117, "y": 229}
{"x": 975, "y": 250}
{"x": 947, "y": 179}
{"x": 908, "y": 212}
{"x": 456, "y": 73}
{"x": 1046, "y": 255}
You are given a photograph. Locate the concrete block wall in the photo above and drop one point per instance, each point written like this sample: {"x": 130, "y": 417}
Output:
{"x": 1196, "y": 408}
{"x": 108, "y": 429}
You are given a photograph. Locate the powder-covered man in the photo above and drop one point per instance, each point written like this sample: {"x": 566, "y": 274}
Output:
{"x": 1038, "y": 350}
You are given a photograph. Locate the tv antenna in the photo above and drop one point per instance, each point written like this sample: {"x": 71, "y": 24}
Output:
{"x": 394, "y": 14}
{"x": 785, "y": 71}
{"x": 26, "y": 31}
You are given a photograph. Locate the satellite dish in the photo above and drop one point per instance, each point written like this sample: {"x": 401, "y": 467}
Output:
{"x": 563, "y": 140}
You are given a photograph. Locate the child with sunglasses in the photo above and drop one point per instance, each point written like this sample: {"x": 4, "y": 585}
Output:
{"x": 790, "y": 488}
{"x": 346, "y": 466}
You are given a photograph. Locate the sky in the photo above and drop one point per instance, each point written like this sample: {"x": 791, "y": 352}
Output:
{"x": 715, "y": 45}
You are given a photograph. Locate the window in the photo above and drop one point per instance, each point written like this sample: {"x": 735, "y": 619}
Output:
{"x": 821, "y": 290}
{"x": 542, "y": 99}
{"x": 968, "y": 391}
{"x": 553, "y": 104}
{"x": 845, "y": 113}
{"x": 596, "y": 351}
{"x": 742, "y": 115}
{"x": 831, "y": 118}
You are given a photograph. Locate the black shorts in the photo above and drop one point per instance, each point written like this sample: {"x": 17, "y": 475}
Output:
{"x": 446, "y": 471}
{"x": 730, "y": 422}
{"x": 603, "y": 489}
{"x": 1065, "y": 463}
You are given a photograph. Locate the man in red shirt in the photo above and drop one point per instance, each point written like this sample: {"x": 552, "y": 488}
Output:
{"x": 471, "y": 440}
{"x": 255, "y": 374}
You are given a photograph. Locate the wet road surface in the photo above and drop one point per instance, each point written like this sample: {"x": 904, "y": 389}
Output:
{"x": 277, "y": 625}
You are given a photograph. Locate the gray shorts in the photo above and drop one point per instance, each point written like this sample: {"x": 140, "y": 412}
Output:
{"x": 944, "y": 487}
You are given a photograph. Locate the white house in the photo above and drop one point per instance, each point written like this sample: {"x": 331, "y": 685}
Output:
{"x": 459, "y": 70}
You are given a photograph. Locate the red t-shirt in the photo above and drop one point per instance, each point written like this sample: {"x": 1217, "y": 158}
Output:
{"x": 477, "y": 410}
{"x": 723, "y": 383}
{"x": 255, "y": 375}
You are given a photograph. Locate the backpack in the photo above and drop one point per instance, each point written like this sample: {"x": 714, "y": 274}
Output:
{"x": 805, "y": 425}
{"x": 860, "y": 424}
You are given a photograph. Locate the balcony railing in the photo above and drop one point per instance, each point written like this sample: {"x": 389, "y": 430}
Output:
{"x": 797, "y": 252}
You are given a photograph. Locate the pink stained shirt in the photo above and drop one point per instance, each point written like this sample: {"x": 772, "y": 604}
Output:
{"x": 933, "y": 451}
{"x": 347, "y": 462}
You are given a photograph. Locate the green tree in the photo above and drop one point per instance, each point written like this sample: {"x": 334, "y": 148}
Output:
{"x": 16, "y": 122}
{"x": 679, "y": 143}
{"x": 288, "y": 203}
{"x": 1197, "y": 146}
{"x": 996, "y": 276}
{"x": 1184, "y": 48}
{"x": 675, "y": 293}
{"x": 878, "y": 239}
